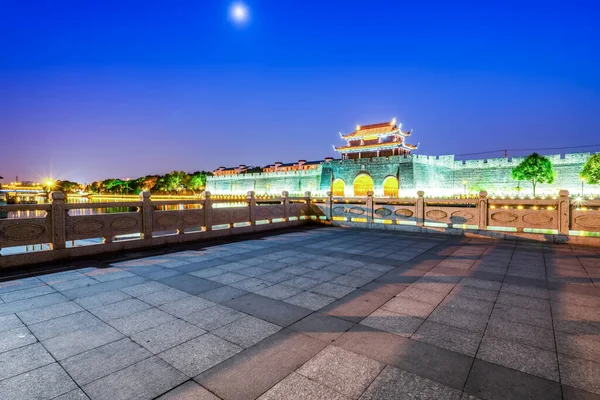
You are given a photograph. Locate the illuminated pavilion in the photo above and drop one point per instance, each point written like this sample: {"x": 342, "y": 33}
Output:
{"x": 376, "y": 140}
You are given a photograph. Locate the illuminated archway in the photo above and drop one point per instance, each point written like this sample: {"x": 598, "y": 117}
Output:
{"x": 338, "y": 187}
{"x": 363, "y": 184}
{"x": 390, "y": 187}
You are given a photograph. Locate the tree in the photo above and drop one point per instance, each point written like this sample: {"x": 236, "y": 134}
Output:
{"x": 195, "y": 181}
{"x": 591, "y": 170}
{"x": 535, "y": 169}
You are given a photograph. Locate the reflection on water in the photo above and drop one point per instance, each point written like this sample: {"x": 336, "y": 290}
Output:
{"x": 110, "y": 210}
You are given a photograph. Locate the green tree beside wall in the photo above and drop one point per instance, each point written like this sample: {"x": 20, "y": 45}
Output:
{"x": 591, "y": 170}
{"x": 535, "y": 169}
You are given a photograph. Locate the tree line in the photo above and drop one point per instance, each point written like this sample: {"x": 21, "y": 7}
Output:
{"x": 538, "y": 169}
{"x": 175, "y": 182}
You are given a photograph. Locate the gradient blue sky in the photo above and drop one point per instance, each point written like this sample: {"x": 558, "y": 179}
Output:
{"x": 98, "y": 89}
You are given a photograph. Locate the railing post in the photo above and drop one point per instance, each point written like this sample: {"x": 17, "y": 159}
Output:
{"x": 329, "y": 206}
{"x": 251, "y": 207}
{"x": 147, "y": 215}
{"x": 482, "y": 204}
{"x": 286, "y": 205}
{"x": 307, "y": 198}
{"x": 420, "y": 208}
{"x": 564, "y": 212}
{"x": 369, "y": 206}
{"x": 57, "y": 214}
{"x": 208, "y": 212}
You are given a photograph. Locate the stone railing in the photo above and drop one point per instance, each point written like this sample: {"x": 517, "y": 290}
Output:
{"x": 559, "y": 219}
{"x": 66, "y": 234}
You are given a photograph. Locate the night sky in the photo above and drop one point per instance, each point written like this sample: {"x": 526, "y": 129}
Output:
{"x": 97, "y": 89}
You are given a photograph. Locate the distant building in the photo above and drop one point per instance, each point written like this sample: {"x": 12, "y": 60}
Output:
{"x": 377, "y": 158}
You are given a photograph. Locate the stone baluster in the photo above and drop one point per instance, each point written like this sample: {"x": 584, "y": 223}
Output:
{"x": 369, "y": 206}
{"x": 251, "y": 199}
{"x": 482, "y": 205}
{"x": 564, "y": 212}
{"x": 308, "y": 208}
{"x": 329, "y": 206}
{"x": 147, "y": 215}
{"x": 420, "y": 208}
{"x": 208, "y": 212}
{"x": 286, "y": 205}
{"x": 58, "y": 218}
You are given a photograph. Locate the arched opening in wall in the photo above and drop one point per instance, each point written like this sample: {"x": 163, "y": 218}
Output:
{"x": 390, "y": 186}
{"x": 363, "y": 184}
{"x": 338, "y": 187}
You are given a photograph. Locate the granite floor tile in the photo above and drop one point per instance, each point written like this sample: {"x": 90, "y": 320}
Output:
{"x": 426, "y": 296}
{"x": 26, "y": 293}
{"x": 187, "y": 305}
{"x": 10, "y": 321}
{"x": 460, "y": 319}
{"x": 332, "y": 290}
{"x": 140, "y": 321}
{"x": 247, "y": 331}
{"x": 15, "y": 338}
{"x": 448, "y": 337}
{"x": 533, "y": 303}
{"x": 102, "y": 299}
{"x": 19, "y": 284}
{"x": 468, "y": 304}
{"x": 522, "y": 333}
{"x": 275, "y": 357}
{"x": 188, "y": 391}
{"x": 252, "y": 284}
{"x": 394, "y": 383}
{"x": 49, "y": 312}
{"x": 167, "y": 335}
{"x": 144, "y": 288}
{"x": 104, "y": 360}
{"x": 302, "y": 389}
{"x": 521, "y": 357}
{"x": 23, "y": 359}
{"x": 62, "y": 325}
{"x": 322, "y": 327}
{"x": 199, "y": 354}
{"x": 356, "y": 306}
{"x": 302, "y": 282}
{"x": 279, "y": 291}
{"x": 222, "y": 294}
{"x": 310, "y": 301}
{"x": 120, "y": 309}
{"x": 84, "y": 339}
{"x": 276, "y": 276}
{"x": 31, "y": 303}
{"x": 274, "y": 311}
{"x": 46, "y": 382}
{"x": 76, "y": 394}
{"x": 84, "y": 281}
{"x": 103, "y": 287}
{"x": 145, "y": 380}
{"x": 227, "y": 278}
{"x": 539, "y": 318}
{"x": 163, "y": 296}
{"x": 404, "y": 306}
{"x": 342, "y": 370}
{"x": 494, "y": 382}
{"x": 579, "y": 373}
{"x": 431, "y": 362}
{"x": 578, "y": 346}
{"x": 214, "y": 317}
{"x": 388, "y": 321}
{"x": 190, "y": 284}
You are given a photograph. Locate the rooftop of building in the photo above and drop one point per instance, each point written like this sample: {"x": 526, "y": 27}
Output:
{"x": 375, "y": 130}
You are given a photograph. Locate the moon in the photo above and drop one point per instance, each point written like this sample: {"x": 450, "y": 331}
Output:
{"x": 239, "y": 13}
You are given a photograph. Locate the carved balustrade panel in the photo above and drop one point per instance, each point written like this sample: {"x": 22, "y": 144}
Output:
{"x": 175, "y": 219}
{"x": 525, "y": 218}
{"x": 24, "y": 231}
{"x": 230, "y": 215}
{"x": 102, "y": 225}
{"x": 585, "y": 220}
{"x": 297, "y": 209}
{"x": 269, "y": 212}
{"x": 394, "y": 212}
{"x": 452, "y": 215}
{"x": 349, "y": 210}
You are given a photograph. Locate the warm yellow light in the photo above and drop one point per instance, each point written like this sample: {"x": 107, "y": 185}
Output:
{"x": 49, "y": 183}
{"x": 520, "y": 207}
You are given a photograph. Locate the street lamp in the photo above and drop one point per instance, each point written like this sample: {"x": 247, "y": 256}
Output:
{"x": 582, "y": 182}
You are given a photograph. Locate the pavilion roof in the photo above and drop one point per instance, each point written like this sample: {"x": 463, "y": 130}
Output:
{"x": 376, "y": 146}
{"x": 379, "y": 129}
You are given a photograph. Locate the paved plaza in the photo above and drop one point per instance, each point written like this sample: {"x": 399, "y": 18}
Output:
{"x": 324, "y": 313}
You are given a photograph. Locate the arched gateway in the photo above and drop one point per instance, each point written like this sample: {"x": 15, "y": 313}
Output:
{"x": 363, "y": 184}
{"x": 338, "y": 187}
{"x": 390, "y": 186}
